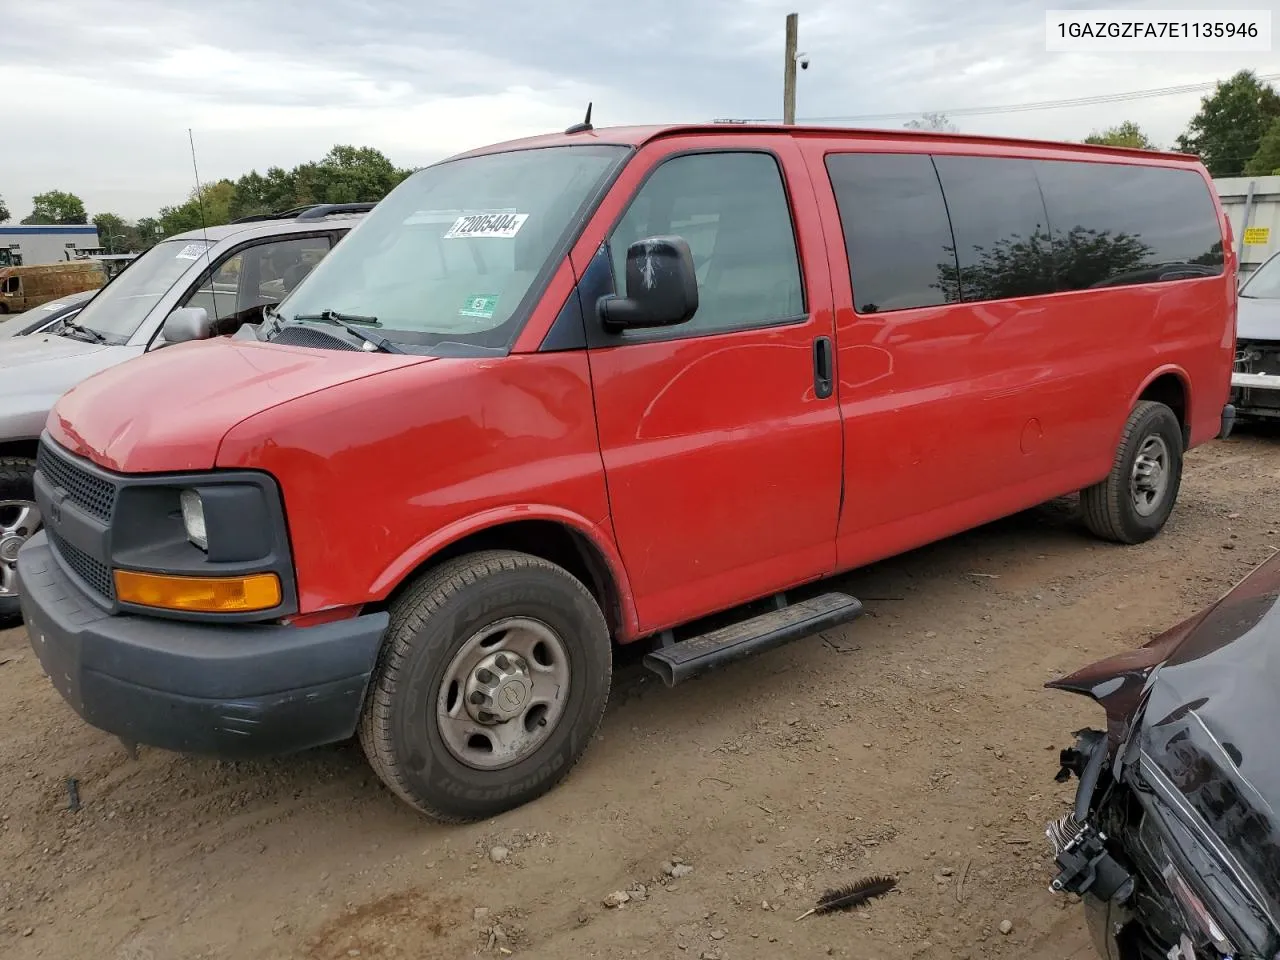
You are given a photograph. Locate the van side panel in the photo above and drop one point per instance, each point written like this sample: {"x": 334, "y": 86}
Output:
{"x": 959, "y": 413}
{"x": 369, "y": 482}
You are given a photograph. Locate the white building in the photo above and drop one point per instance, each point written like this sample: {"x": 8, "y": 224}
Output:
{"x": 32, "y": 246}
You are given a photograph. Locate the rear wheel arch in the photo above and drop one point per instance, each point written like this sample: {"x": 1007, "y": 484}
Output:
{"x": 555, "y": 536}
{"x": 1171, "y": 386}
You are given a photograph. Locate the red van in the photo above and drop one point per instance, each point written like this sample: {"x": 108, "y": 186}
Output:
{"x": 591, "y": 388}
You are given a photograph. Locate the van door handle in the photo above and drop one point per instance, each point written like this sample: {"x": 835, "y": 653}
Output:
{"x": 823, "y": 363}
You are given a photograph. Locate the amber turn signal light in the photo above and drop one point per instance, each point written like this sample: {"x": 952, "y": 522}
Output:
{"x": 258, "y": 591}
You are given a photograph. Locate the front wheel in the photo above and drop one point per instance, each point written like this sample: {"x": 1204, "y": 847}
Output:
{"x": 19, "y": 519}
{"x": 1134, "y": 502}
{"x": 492, "y": 681}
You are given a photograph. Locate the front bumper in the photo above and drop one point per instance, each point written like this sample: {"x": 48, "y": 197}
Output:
{"x": 235, "y": 690}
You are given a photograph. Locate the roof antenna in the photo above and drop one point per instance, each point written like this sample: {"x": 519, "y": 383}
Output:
{"x": 584, "y": 126}
{"x": 204, "y": 226}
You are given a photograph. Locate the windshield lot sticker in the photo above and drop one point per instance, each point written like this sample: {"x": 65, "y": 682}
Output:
{"x": 191, "y": 251}
{"x": 501, "y": 225}
{"x": 482, "y": 306}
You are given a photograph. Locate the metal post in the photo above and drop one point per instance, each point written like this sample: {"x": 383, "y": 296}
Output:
{"x": 789, "y": 75}
{"x": 1245, "y": 221}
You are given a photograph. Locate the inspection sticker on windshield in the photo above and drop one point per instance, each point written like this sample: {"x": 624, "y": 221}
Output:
{"x": 501, "y": 225}
{"x": 191, "y": 251}
{"x": 482, "y": 306}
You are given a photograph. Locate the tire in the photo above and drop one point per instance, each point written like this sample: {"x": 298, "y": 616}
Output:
{"x": 428, "y": 761}
{"x": 17, "y": 486}
{"x": 1112, "y": 508}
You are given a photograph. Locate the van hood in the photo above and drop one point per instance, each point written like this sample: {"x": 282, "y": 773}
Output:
{"x": 1257, "y": 319}
{"x": 169, "y": 410}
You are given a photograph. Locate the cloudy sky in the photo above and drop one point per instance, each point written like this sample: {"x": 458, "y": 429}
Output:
{"x": 98, "y": 94}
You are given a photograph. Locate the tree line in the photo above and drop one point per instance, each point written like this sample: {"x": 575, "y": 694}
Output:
{"x": 346, "y": 174}
{"x": 1236, "y": 132}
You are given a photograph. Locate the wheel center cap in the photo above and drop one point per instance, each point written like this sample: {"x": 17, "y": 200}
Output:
{"x": 512, "y": 695}
{"x": 9, "y": 547}
{"x": 499, "y": 688}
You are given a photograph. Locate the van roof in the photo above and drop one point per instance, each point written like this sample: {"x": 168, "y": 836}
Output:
{"x": 636, "y": 136}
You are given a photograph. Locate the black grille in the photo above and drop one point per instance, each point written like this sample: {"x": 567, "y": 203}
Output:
{"x": 297, "y": 336}
{"x": 95, "y": 575}
{"x": 91, "y": 493}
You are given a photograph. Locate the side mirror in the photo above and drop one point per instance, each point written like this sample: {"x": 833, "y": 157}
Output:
{"x": 662, "y": 288}
{"x": 187, "y": 323}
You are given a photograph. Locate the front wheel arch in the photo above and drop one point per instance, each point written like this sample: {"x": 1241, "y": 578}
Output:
{"x": 551, "y": 534}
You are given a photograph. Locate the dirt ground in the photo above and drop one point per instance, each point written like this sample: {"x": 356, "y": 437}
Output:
{"x": 917, "y": 742}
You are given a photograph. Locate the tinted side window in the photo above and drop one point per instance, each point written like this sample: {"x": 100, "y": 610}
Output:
{"x": 896, "y": 232}
{"x": 733, "y": 211}
{"x": 1119, "y": 223}
{"x": 1000, "y": 226}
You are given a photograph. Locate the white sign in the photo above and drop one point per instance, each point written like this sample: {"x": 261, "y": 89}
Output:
{"x": 191, "y": 251}
{"x": 501, "y": 225}
{"x": 1149, "y": 31}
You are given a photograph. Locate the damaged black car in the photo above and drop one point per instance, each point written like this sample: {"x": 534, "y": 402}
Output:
{"x": 1173, "y": 843}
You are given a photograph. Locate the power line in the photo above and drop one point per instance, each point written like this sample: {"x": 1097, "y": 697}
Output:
{"x": 1023, "y": 107}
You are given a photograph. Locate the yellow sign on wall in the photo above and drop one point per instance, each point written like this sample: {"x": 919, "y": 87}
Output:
{"x": 1257, "y": 236}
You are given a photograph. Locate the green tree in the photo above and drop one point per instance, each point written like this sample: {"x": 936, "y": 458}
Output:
{"x": 272, "y": 193}
{"x": 56, "y": 206}
{"x": 933, "y": 121}
{"x": 1267, "y": 160}
{"x": 208, "y": 207}
{"x": 1228, "y": 129}
{"x": 115, "y": 233}
{"x": 1127, "y": 134}
{"x": 149, "y": 231}
{"x": 347, "y": 174}
{"x": 4, "y": 212}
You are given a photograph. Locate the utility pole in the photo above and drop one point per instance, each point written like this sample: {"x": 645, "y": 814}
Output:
{"x": 789, "y": 75}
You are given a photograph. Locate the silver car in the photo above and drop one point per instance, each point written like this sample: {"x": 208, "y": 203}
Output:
{"x": 1255, "y": 381}
{"x": 218, "y": 279}
{"x": 46, "y": 316}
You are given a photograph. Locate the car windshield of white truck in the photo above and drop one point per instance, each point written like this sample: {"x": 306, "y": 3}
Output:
{"x": 1264, "y": 284}
{"x": 116, "y": 313}
{"x": 455, "y": 253}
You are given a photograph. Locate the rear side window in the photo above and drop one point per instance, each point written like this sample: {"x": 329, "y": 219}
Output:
{"x": 1119, "y": 224}
{"x": 1000, "y": 226}
{"x": 732, "y": 210}
{"x": 896, "y": 231}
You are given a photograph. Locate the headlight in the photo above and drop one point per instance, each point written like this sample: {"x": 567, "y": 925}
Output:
{"x": 1194, "y": 910}
{"x": 193, "y": 519}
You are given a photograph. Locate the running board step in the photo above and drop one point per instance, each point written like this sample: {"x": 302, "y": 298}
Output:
{"x": 678, "y": 662}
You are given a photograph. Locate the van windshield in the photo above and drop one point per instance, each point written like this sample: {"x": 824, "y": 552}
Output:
{"x": 453, "y": 253}
{"x": 1264, "y": 284}
{"x": 118, "y": 311}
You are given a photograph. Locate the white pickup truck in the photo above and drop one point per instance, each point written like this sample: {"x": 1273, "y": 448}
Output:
{"x": 1255, "y": 381}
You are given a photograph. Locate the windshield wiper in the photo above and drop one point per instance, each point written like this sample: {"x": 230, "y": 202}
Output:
{"x": 352, "y": 324}
{"x": 89, "y": 332}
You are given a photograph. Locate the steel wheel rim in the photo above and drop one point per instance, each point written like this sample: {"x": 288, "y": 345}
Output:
{"x": 19, "y": 520}
{"x": 1149, "y": 479}
{"x": 503, "y": 693}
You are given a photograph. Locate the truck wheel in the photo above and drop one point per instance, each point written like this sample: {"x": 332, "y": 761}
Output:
{"x": 1133, "y": 503}
{"x": 491, "y": 683}
{"x": 19, "y": 519}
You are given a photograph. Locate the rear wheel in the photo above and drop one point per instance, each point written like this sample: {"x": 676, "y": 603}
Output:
{"x": 493, "y": 680}
{"x": 19, "y": 519}
{"x": 1134, "y": 502}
